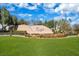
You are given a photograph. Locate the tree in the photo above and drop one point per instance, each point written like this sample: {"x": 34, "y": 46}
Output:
{"x": 12, "y": 23}
{"x": 22, "y": 22}
{"x": 14, "y": 20}
{"x": 76, "y": 28}
{"x": 64, "y": 26}
{"x": 7, "y": 19}
{"x": 37, "y": 22}
{"x": 4, "y": 17}
{"x": 49, "y": 24}
{"x": 0, "y": 16}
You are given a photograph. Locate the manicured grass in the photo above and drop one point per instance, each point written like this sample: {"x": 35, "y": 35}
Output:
{"x": 18, "y": 46}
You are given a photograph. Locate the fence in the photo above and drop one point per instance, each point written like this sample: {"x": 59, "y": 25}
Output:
{"x": 35, "y": 35}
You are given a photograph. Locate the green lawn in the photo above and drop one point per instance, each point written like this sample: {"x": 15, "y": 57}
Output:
{"x": 18, "y": 46}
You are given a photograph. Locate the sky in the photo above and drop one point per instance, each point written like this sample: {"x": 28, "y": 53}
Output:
{"x": 44, "y": 11}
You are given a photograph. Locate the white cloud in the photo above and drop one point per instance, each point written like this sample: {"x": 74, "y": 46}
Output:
{"x": 11, "y": 9}
{"x": 67, "y": 7}
{"x": 21, "y": 5}
{"x": 41, "y": 19}
{"x": 49, "y": 7}
{"x": 27, "y": 6}
{"x": 49, "y": 10}
{"x": 75, "y": 22}
{"x": 32, "y": 7}
{"x": 59, "y": 17}
{"x": 25, "y": 15}
{"x": 78, "y": 9}
{"x": 73, "y": 18}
